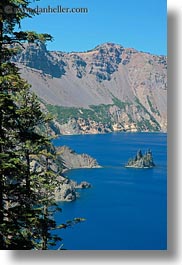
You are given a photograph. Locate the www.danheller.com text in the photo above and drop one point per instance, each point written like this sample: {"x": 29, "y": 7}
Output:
{"x": 10, "y": 9}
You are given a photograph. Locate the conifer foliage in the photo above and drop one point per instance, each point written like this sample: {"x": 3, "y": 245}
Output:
{"x": 27, "y": 200}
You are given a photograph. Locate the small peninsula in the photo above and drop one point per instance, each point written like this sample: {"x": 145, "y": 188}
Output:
{"x": 141, "y": 161}
{"x": 72, "y": 160}
{"x": 66, "y": 159}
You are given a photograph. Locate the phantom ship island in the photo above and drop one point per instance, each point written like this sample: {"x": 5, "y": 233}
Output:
{"x": 141, "y": 161}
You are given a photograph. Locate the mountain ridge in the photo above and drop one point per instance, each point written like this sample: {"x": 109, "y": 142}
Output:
{"x": 130, "y": 85}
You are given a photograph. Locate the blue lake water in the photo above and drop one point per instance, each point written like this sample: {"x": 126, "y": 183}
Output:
{"x": 126, "y": 209}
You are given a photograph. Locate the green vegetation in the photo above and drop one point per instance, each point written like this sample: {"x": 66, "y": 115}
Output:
{"x": 119, "y": 103}
{"x": 98, "y": 113}
{"x": 101, "y": 113}
{"x": 151, "y": 107}
{"x": 62, "y": 114}
{"x": 147, "y": 123}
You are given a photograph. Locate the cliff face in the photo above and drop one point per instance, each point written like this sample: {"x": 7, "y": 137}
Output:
{"x": 110, "y": 88}
{"x": 72, "y": 160}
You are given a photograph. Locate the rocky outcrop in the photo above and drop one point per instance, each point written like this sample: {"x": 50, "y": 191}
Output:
{"x": 83, "y": 185}
{"x": 66, "y": 158}
{"x": 65, "y": 192}
{"x": 82, "y": 126}
{"x": 72, "y": 160}
{"x": 141, "y": 161}
{"x": 36, "y": 56}
{"x": 67, "y": 189}
{"x": 109, "y": 88}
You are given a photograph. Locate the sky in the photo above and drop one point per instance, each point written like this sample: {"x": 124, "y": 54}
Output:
{"x": 139, "y": 24}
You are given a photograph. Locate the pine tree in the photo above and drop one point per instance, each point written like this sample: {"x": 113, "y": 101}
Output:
{"x": 27, "y": 203}
{"x": 40, "y": 187}
{"x": 11, "y": 167}
{"x": 20, "y": 115}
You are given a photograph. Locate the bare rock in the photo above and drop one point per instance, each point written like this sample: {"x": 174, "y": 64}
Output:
{"x": 67, "y": 189}
{"x": 72, "y": 160}
{"x": 65, "y": 192}
{"x": 133, "y": 82}
{"x": 83, "y": 185}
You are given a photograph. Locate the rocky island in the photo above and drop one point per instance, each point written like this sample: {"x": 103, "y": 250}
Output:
{"x": 141, "y": 161}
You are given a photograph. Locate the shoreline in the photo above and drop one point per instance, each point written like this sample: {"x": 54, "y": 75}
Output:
{"x": 139, "y": 167}
{"x": 114, "y": 132}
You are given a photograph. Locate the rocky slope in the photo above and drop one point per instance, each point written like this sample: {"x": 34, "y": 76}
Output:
{"x": 109, "y": 88}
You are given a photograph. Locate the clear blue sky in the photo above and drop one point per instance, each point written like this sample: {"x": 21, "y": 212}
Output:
{"x": 140, "y": 24}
